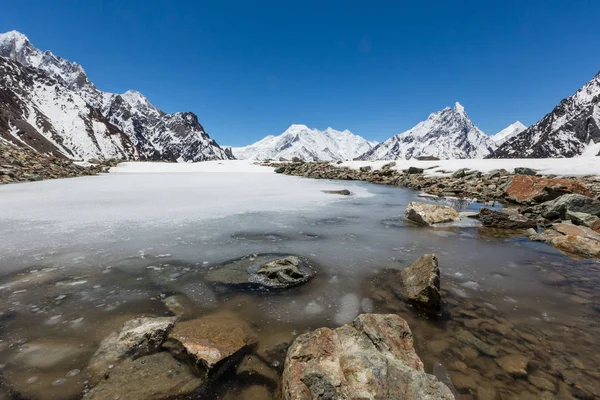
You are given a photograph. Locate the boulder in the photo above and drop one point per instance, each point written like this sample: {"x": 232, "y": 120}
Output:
{"x": 570, "y": 203}
{"x": 157, "y": 376}
{"x": 343, "y": 192}
{"x": 535, "y": 189}
{"x": 460, "y": 173}
{"x": 579, "y": 218}
{"x": 267, "y": 272}
{"x": 211, "y": 344}
{"x": 366, "y": 168}
{"x": 414, "y": 170}
{"x": 583, "y": 231}
{"x": 280, "y": 170}
{"x": 429, "y": 214}
{"x": 579, "y": 246}
{"x": 420, "y": 283}
{"x": 525, "y": 171}
{"x": 372, "y": 358}
{"x": 495, "y": 219}
{"x": 596, "y": 226}
{"x": 138, "y": 337}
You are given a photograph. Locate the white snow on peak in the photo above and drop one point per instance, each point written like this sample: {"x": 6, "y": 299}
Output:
{"x": 136, "y": 99}
{"x": 307, "y": 144}
{"x": 509, "y": 132}
{"x": 459, "y": 109}
{"x": 445, "y": 134}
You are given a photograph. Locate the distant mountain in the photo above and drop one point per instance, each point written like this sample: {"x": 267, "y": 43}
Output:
{"x": 571, "y": 129}
{"x": 48, "y": 103}
{"x": 508, "y": 133}
{"x": 306, "y": 144}
{"x": 446, "y": 134}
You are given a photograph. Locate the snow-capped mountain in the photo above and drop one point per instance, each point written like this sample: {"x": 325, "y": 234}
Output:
{"x": 49, "y": 104}
{"x": 446, "y": 134}
{"x": 571, "y": 129}
{"x": 307, "y": 144}
{"x": 508, "y": 133}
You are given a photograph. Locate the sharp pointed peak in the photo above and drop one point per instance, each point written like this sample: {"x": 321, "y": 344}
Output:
{"x": 459, "y": 108}
{"x": 13, "y": 35}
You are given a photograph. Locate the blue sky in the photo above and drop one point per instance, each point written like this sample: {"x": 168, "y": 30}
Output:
{"x": 249, "y": 69}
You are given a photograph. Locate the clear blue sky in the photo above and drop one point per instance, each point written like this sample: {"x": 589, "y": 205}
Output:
{"x": 249, "y": 69}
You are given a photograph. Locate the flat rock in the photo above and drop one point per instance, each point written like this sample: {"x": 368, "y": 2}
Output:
{"x": 267, "y": 272}
{"x": 420, "y": 283}
{"x": 596, "y": 226}
{"x": 138, "y": 337}
{"x": 534, "y": 189}
{"x": 157, "y": 376}
{"x": 468, "y": 338}
{"x": 212, "y": 343}
{"x": 430, "y": 214}
{"x": 583, "y": 231}
{"x": 514, "y": 364}
{"x": 372, "y": 358}
{"x": 501, "y": 220}
{"x": 578, "y": 246}
{"x": 343, "y": 192}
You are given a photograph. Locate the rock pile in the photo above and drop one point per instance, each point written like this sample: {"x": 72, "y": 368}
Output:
{"x": 23, "y": 165}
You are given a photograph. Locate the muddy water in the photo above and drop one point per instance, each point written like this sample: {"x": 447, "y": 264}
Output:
{"x": 518, "y": 297}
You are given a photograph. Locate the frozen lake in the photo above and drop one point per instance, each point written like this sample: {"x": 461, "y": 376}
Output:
{"x": 80, "y": 256}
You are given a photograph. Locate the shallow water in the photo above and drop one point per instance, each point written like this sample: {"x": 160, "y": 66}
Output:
{"x": 77, "y": 269}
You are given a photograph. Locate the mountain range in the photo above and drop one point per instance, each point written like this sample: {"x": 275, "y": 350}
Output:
{"x": 307, "y": 144}
{"x": 49, "y": 104}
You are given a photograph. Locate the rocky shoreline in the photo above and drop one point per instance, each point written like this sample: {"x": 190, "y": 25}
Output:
{"x": 25, "y": 165}
{"x": 561, "y": 211}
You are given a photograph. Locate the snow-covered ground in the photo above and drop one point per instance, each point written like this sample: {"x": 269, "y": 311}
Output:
{"x": 579, "y": 166}
{"x": 206, "y": 166}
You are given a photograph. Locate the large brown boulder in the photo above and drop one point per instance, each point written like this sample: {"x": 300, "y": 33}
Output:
{"x": 535, "y": 189}
{"x": 430, "y": 214}
{"x": 372, "y": 358}
{"x": 212, "y": 343}
{"x": 420, "y": 283}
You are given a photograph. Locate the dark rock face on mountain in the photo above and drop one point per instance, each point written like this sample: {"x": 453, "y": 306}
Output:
{"x": 48, "y": 104}
{"x": 571, "y": 129}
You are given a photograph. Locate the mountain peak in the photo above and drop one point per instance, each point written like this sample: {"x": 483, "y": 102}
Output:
{"x": 135, "y": 98}
{"x": 459, "y": 109}
{"x": 14, "y": 36}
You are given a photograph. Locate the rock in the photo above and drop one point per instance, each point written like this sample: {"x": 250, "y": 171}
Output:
{"x": 429, "y": 214}
{"x": 211, "y": 344}
{"x": 502, "y": 220}
{"x": 558, "y": 208}
{"x": 427, "y": 158}
{"x": 157, "y": 376}
{"x": 297, "y": 159}
{"x": 267, "y": 272}
{"x": 583, "y": 231}
{"x": 468, "y": 338}
{"x": 414, "y": 170}
{"x": 541, "y": 383}
{"x": 460, "y": 173}
{"x": 253, "y": 369}
{"x": 514, "y": 364}
{"x": 596, "y": 226}
{"x": 366, "y": 168}
{"x": 254, "y": 392}
{"x": 420, "y": 283}
{"x": 579, "y": 218}
{"x": 280, "y": 170}
{"x": 343, "y": 192}
{"x": 273, "y": 347}
{"x": 373, "y": 358}
{"x": 138, "y": 337}
{"x": 389, "y": 165}
{"x": 576, "y": 245}
{"x": 525, "y": 171}
{"x": 534, "y": 189}
{"x": 179, "y": 305}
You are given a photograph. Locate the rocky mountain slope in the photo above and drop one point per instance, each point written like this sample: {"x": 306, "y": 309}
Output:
{"x": 571, "y": 129}
{"x": 48, "y": 104}
{"x": 508, "y": 133}
{"x": 446, "y": 134}
{"x": 307, "y": 144}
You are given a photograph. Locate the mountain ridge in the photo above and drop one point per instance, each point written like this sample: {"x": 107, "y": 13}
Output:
{"x": 49, "y": 104}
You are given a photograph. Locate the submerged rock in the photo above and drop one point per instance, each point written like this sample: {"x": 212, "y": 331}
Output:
{"x": 469, "y": 339}
{"x": 157, "y": 376}
{"x": 138, "y": 337}
{"x": 49, "y": 354}
{"x": 496, "y": 219}
{"x": 263, "y": 272}
{"x": 420, "y": 283}
{"x": 514, "y": 364}
{"x": 343, "y": 192}
{"x": 372, "y": 358}
{"x": 430, "y": 214}
{"x": 211, "y": 344}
